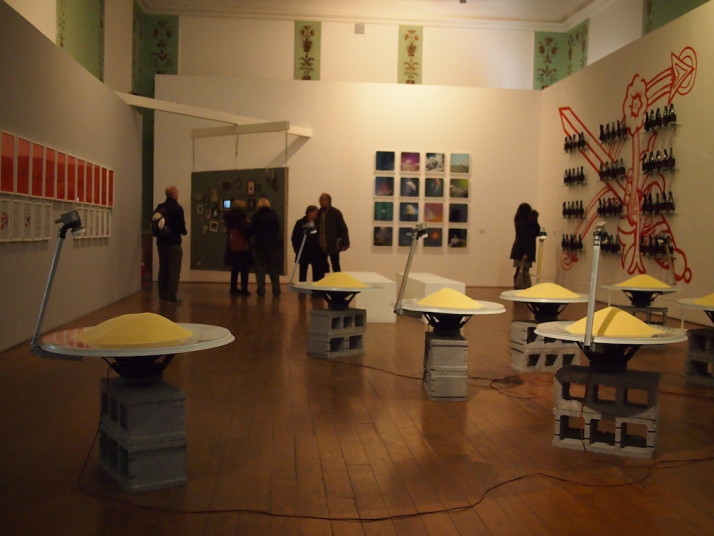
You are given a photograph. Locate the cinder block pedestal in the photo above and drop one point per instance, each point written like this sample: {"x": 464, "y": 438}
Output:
{"x": 700, "y": 356}
{"x": 336, "y": 333}
{"x": 142, "y": 441}
{"x": 606, "y": 412}
{"x": 446, "y": 368}
{"x": 531, "y": 352}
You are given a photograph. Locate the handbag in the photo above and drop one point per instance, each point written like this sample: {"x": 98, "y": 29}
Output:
{"x": 237, "y": 241}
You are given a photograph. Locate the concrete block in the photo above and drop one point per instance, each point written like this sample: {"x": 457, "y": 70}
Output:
{"x": 329, "y": 321}
{"x": 330, "y": 347}
{"x": 146, "y": 467}
{"x": 701, "y": 340}
{"x": 523, "y": 334}
{"x": 136, "y": 415}
{"x": 543, "y": 358}
{"x": 649, "y": 315}
{"x": 445, "y": 353}
{"x": 444, "y": 387}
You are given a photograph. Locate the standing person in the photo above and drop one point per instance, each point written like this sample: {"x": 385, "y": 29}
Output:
{"x": 267, "y": 246}
{"x": 168, "y": 245}
{"x": 238, "y": 255}
{"x": 332, "y": 232}
{"x": 310, "y": 256}
{"x": 524, "y": 245}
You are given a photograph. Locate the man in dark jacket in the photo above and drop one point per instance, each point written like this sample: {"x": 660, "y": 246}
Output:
{"x": 169, "y": 247}
{"x": 306, "y": 231}
{"x": 332, "y": 233}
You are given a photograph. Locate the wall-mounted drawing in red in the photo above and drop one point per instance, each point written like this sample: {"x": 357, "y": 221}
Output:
{"x": 638, "y": 185}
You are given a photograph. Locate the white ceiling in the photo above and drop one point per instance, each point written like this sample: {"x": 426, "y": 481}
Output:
{"x": 527, "y": 14}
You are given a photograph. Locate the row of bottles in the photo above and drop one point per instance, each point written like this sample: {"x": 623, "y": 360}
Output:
{"x": 612, "y": 170}
{"x": 616, "y": 132}
{"x": 658, "y": 161}
{"x": 574, "y": 142}
{"x": 573, "y": 209}
{"x": 609, "y": 207}
{"x": 656, "y": 246}
{"x": 609, "y": 243}
{"x": 660, "y": 119}
{"x": 574, "y": 176}
{"x": 660, "y": 204}
{"x": 572, "y": 242}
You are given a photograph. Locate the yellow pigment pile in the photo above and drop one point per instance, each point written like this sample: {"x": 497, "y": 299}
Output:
{"x": 643, "y": 281}
{"x": 705, "y": 300}
{"x": 546, "y": 291}
{"x": 340, "y": 280}
{"x": 448, "y": 298}
{"x": 140, "y": 330}
{"x": 614, "y": 322}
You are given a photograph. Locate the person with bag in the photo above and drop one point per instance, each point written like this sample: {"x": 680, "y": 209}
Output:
{"x": 524, "y": 246}
{"x": 238, "y": 255}
{"x": 168, "y": 225}
{"x": 305, "y": 235}
{"x": 267, "y": 246}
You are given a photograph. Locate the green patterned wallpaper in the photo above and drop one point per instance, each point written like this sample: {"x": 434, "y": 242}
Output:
{"x": 80, "y": 32}
{"x": 657, "y": 13}
{"x": 559, "y": 54}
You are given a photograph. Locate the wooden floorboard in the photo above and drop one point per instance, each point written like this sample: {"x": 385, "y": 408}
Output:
{"x": 282, "y": 443}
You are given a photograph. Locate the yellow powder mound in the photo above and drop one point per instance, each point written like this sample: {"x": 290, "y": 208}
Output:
{"x": 705, "y": 300}
{"x": 339, "y": 280}
{"x": 448, "y": 298}
{"x": 140, "y": 330}
{"x": 614, "y": 322}
{"x": 643, "y": 281}
{"x": 546, "y": 290}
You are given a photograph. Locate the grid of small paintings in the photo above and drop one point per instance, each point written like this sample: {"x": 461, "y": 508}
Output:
{"x": 429, "y": 188}
{"x": 33, "y": 176}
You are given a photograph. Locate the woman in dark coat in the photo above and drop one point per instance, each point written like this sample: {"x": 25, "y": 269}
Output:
{"x": 238, "y": 255}
{"x": 267, "y": 246}
{"x": 524, "y": 246}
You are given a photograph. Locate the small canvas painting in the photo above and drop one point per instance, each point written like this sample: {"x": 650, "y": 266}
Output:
{"x": 459, "y": 188}
{"x": 457, "y": 238}
{"x": 434, "y": 237}
{"x": 410, "y": 162}
{"x": 408, "y": 211}
{"x": 384, "y": 161}
{"x": 435, "y": 163}
{"x": 460, "y": 163}
{"x": 409, "y": 187}
{"x": 383, "y": 211}
{"x": 383, "y": 236}
{"x": 384, "y": 186}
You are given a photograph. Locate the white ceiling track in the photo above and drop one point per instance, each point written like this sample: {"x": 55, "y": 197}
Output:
{"x": 238, "y": 124}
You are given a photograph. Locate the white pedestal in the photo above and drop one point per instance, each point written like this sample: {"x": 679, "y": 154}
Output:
{"x": 420, "y": 284}
{"x": 379, "y": 303}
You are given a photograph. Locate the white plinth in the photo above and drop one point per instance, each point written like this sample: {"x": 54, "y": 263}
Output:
{"x": 379, "y": 302}
{"x": 420, "y": 284}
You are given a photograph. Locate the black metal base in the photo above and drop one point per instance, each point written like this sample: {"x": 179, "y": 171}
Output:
{"x": 338, "y": 301}
{"x": 445, "y": 324}
{"x": 141, "y": 370}
{"x": 609, "y": 357}
{"x": 641, "y": 298}
{"x": 546, "y": 312}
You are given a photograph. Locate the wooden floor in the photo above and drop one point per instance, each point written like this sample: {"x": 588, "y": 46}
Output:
{"x": 282, "y": 443}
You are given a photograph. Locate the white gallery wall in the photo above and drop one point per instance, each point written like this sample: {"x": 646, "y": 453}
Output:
{"x": 48, "y": 98}
{"x": 350, "y": 122}
{"x": 597, "y": 94}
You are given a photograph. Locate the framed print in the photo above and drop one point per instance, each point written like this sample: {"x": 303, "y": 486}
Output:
{"x": 16, "y": 220}
{"x": 408, "y": 211}
{"x": 383, "y": 211}
{"x": 110, "y": 189}
{"x": 460, "y": 163}
{"x": 457, "y": 238}
{"x": 384, "y": 161}
{"x": 47, "y": 221}
{"x": 383, "y": 236}
{"x": 50, "y": 172}
{"x": 434, "y": 187}
{"x": 433, "y": 237}
{"x": 384, "y": 186}
{"x": 61, "y": 176}
{"x": 4, "y": 220}
{"x": 71, "y": 178}
{"x": 97, "y": 187}
{"x": 28, "y": 213}
{"x": 435, "y": 163}
{"x": 459, "y": 188}
{"x": 409, "y": 162}
{"x": 23, "y": 166}
{"x": 458, "y": 212}
{"x": 433, "y": 212}
{"x": 37, "y": 172}
{"x": 38, "y": 221}
{"x": 213, "y": 226}
{"x": 405, "y": 236}
{"x": 409, "y": 187}
{"x": 81, "y": 180}
{"x": 7, "y": 162}
{"x": 250, "y": 187}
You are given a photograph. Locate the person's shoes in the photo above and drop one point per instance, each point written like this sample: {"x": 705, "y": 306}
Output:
{"x": 261, "y": 293}
{"x": 235, "y": 292}
{"x": 245, "y": 293}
